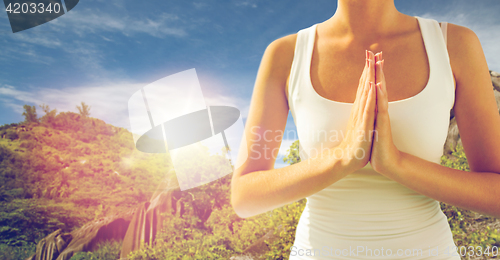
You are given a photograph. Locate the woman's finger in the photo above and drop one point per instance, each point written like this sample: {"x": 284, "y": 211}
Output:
{"x": 362, "y": 82}
{"x": 361, "y": 87}
{"x": 378, "y": 56}
{"x": 371, "y": 71}
{"x": 382, "y": 100}
{"x": 369, "y": 111}
{"x": 370, "y": 78}
{"x": 380, "y": 72}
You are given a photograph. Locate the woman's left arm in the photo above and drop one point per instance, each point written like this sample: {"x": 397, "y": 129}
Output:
{"x": 478, "y": 120}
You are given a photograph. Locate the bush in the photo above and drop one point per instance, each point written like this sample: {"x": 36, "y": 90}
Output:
{"x": 24, "y": 222}
{"x": 16, "y": 252}
{"x": 287, "y": 217}
{"x": 460, "y": 163}
{"x": 106, "y": 250}
{"x": 25, "y": 136}
{"x": 12, "y": 135}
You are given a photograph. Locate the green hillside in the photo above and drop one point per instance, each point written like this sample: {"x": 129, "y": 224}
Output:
{"x": 61, "y": 171}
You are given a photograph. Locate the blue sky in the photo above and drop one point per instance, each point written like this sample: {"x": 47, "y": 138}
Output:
{"x": 102, "y": 52}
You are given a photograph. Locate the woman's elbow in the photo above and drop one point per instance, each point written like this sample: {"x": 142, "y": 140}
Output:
{"x": 237, "y": 207}
{"x": 237, "y": 202}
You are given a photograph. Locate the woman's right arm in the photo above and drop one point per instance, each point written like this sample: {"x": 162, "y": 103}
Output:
{"x": 257, "y": 187}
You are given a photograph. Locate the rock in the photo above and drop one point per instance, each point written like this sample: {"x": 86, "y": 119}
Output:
{"x": 135, "y": 231}
{"x": 60, "y": 246}
{"x": 495, "y": 80}
{"x": 148, "y": 218}
{"x": 497, "y": 97}
{"x": 51, "y": 246}
{"x": 452, "y": 138}
{"x": 87, "y": 237}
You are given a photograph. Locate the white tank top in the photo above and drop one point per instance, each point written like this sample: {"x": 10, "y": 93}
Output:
{"x": 366, "y": 211}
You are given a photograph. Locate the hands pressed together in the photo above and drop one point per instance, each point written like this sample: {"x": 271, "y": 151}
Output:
{"x": 368, "y": 129}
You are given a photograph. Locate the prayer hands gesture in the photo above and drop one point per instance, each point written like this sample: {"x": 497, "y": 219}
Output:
{"x": 369, "y": 134}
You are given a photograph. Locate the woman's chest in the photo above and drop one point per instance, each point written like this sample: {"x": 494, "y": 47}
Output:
{"x": 336, "y": 69}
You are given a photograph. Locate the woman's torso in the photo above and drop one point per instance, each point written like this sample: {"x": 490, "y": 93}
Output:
{"x": 366, "y": 209}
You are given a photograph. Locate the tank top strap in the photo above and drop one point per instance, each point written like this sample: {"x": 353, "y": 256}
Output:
{"x": 439, "y": 60}
{"x": 300, "y": 64}
{"x": 444, "y": 29}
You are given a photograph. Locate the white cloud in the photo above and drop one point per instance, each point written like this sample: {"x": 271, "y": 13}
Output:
{"x": 24, "y": 52}
{"x": 92, "y": 21}
{"x": 224, "y": 100}
{"x": 88, "y": 57}
{"x": 108, "y": 101}
{"x": 200, "y": 5}
{"x": 247, "y": 4}
{"x": 15, "y": 107}
{"x": 11, "y": 91}
{"x": 38, "y": 38}
{"x": 25, "y": 47}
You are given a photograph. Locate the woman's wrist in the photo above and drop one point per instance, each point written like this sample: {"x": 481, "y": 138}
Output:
{"x": 394, "y": 167}
{"x": 345, "y": 159}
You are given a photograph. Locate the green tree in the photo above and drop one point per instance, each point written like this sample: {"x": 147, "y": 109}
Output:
{"x": 84, "y": 110}
{"x": 30, "y": 114}
{"x": 293, "y": 154}
{"x": 49, "y": 114}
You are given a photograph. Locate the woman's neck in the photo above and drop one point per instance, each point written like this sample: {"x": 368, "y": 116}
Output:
{"x": 366, "y": 18}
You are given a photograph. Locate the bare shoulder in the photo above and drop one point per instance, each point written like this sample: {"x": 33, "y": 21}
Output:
{"x": 464, "y": 49}
{"x": 283, "y": 48}
{"x": 277, "y": 60}
{"x": 461, "y": 38}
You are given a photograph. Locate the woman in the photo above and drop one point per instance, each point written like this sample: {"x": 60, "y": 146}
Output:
{"x": 370, "y": 145}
